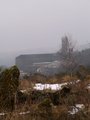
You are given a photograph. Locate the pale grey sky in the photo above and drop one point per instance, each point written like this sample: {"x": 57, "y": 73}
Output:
{"x": 33, "y": 26}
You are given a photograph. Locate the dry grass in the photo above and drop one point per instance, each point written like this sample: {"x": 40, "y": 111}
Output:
{"x": 78, "y": 95}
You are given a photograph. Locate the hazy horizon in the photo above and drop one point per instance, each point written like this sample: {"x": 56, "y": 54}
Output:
{"x": 37, "y": 26}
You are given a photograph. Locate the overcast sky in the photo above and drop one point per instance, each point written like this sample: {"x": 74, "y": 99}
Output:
{"x": 33, "y": 26}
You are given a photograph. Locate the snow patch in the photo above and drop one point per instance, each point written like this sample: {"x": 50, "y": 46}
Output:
{"x": 24, "y": 113}
{"x": 40, "y": 86}
{"x": 76, "y": 109}
{"x": 88, "y": 87}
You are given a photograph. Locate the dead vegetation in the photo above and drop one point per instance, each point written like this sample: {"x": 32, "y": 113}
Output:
{"x": 51, "y": 105}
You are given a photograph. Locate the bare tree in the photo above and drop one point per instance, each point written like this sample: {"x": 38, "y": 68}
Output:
{"x": 69, "y": 60}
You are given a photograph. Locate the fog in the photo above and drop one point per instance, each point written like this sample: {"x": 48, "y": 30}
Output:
{"x": 36, "y": 26}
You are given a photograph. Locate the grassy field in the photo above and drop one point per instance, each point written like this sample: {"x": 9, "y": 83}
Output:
{"x": 52, "y": 104}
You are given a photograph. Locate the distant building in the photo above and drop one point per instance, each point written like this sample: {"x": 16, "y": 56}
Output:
{"x": 50, "y": 63}
{"x": 43, "y": 63}
{"x": 33, "y": 63}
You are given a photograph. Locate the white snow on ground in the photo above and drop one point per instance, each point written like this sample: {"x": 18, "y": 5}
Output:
{"x": 2, "y": 114}
{"x": 23, "y": 91}
{"x": 21, "y": 113}
{"x": 40, "y": 86}
{"x": 74, "y": 82}
{"x": 76, "y": 109}
{"x": 88, "y": 87}
{"x": 77, "y": 81}
{"x": 24, "y": 113}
